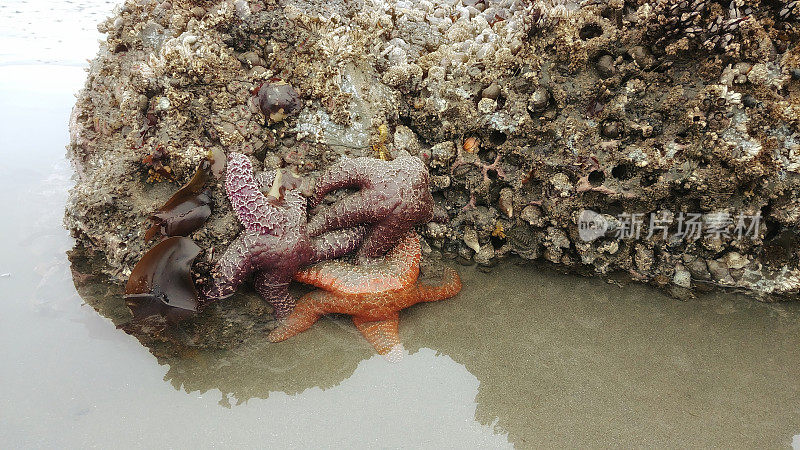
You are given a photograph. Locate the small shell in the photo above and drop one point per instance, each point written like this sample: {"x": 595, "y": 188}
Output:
{"x": 506, "y": 202}
{"x": 471, "y": 239}
{"x": 471, "y": 145}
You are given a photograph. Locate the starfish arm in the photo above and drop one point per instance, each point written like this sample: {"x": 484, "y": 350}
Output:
{"x": 404, "y": 258}
{"x": 337, "y": 243}
{"x": 399, "y": 268}
{"x": 274, "y": 288}
{"x": 384, "y": 236}
{"x": 310, "y": 308}
{"x": 353, "y": 210}
{"x": 230, "y": 270}
{"x": 383, "y": 335}
{"x": 448, "y": 287}
{"x": 249, "y": 204}
{"x": 347, "y": 172}
{"x": 326, "y": 275}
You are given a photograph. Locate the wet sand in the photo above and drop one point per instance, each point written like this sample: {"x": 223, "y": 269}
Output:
{"x": 522, "y": 357}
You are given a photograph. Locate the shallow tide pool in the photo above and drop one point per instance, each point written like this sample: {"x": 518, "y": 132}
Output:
{"x": 522, "y": 357}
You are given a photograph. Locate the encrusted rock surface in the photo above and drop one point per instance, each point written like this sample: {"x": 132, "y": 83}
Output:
{"x": 526, "y": 113}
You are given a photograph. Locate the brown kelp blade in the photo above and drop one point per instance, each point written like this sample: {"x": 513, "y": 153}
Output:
{"x": 161, "y": 282}
{"x": 181, "y": 220}
{"x": 187, "y": 209}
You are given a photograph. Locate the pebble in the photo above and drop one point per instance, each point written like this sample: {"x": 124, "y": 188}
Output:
{"x": 605, "y": 66}
{"x": 539, "y": 100}
{"x": 611, "y": 129}
{"x": 492, "y": 92}
{"x": 682, "y": 277}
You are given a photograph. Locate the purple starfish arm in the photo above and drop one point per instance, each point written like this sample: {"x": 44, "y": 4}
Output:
{"x": 236, "y": 263}
{"x": 275, "y": 287}
{"x": 250, "y": 205}
{"x": 394, "y": 196}
{"x": 347, "y": 172}
{"x": 274, "y": 244}
{"x": 337, "y": 243}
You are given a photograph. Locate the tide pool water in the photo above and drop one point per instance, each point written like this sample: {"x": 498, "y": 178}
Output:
{"x": 522, "y": 357}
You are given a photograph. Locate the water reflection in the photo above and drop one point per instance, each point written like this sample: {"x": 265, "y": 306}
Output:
{"x": 71, "y": 379}
{"x": 559, "y": 360}
{"x": 328, "y": 375}
{"x": 570, "y": 360}
{"x": 548, "y": 359}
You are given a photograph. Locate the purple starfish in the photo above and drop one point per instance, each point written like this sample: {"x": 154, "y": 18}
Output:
{"x": 394, "y": 196}
{"x": 274, "y": 244}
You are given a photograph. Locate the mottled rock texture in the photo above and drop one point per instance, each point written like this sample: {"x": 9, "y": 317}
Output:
{"x": 525, "y": 113}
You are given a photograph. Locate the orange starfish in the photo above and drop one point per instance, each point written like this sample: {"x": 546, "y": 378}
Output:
{"x": 373, "y": 292}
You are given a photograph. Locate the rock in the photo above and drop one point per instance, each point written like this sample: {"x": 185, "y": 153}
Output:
{"x": 612, "y": 129}
{"x": 699, "y": 269}
{"x": 533, "y": 215}
{"x": 484, "y": 256}
{"x": 734, "y": 260}
{"x": 442, "y": 154}
{"x": 405, "y": 139}
{"x": 491, "y": 92}
{"x": 539, "y": 100}
{"x": 525, "y": 117}
{"x": 605, "y": 66}
{"x": 561, "y": 184}
{"x": 644, "y": 258}
{"x": 506, "y": 202}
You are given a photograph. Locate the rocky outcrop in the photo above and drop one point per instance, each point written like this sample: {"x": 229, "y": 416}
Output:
{"x": 656, "y": 138}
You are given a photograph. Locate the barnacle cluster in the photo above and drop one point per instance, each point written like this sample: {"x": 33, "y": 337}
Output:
{"x": 525, "y": 113}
